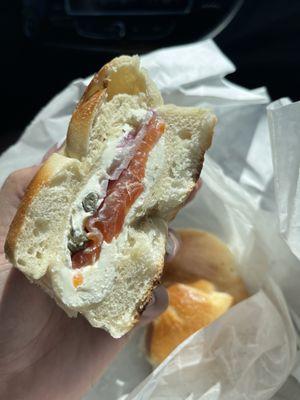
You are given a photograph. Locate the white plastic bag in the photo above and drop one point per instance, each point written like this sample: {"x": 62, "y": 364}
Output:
{"x": 249, "y": 352}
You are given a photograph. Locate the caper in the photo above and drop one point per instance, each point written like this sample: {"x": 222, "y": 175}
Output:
{"x": 76, "y": 240}
{"x": 89, "y": 203}
{"x": 73, "y": 247}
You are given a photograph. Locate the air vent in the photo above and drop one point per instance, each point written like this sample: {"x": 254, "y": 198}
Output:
{"x": 127, "y": 7}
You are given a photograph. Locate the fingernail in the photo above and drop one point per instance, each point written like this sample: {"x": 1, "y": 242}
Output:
{"x": 148, "y": 309}
{"x": 173, "y": 244}
{"x": 152, "y": 301}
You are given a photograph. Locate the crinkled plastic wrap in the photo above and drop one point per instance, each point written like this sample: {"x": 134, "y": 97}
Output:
{"x": 250, "y": 200}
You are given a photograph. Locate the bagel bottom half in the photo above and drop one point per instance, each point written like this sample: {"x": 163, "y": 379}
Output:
{"x": 202, "y": 283}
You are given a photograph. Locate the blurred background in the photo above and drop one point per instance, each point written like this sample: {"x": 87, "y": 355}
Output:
{"x": 46, "y": 44}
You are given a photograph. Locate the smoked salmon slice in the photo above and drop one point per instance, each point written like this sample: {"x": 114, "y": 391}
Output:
{"x": 107, "y": 222}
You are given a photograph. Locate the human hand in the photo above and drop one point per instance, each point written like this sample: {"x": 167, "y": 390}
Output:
{"x": 44, "y": 353}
